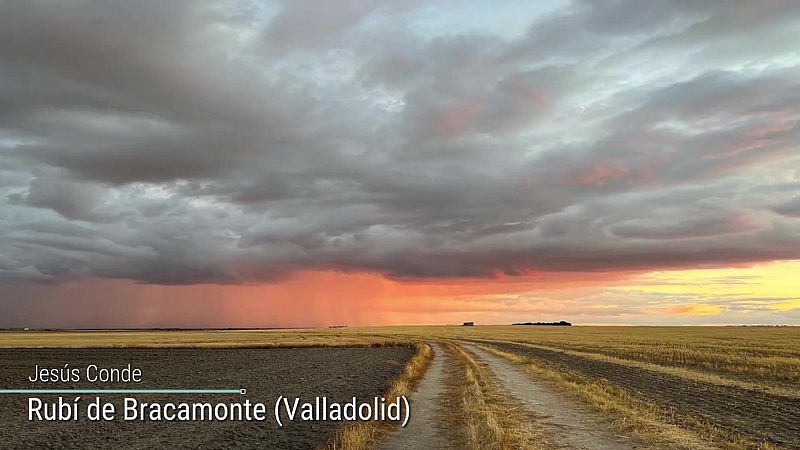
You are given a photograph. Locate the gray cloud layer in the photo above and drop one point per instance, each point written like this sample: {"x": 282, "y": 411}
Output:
{"x": 185, "y": 142}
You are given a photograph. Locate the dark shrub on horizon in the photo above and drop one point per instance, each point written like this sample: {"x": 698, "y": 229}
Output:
{"x": 561, "y": 323}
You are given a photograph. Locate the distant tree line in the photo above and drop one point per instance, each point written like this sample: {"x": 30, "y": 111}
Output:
{"x": 561, "y": 323}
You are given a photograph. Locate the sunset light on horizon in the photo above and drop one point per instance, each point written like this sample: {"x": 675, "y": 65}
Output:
{"x": 761, "y": 294}
{"x": 310, "y": 164}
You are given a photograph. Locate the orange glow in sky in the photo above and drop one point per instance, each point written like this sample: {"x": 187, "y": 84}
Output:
{"x": 765, "y": 293}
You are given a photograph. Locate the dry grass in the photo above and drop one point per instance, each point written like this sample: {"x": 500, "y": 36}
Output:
{"x": 366, "y": 435}
{"x": 651, "y": 423}
{"x": 355, "y": 436}
{"x": 195, "y": 339}
{"x": 753, "y": 357}
{"x": 763, "y": 358}
{"x": 766, "y": 356}
{"x": 708, "y": 377}
{"x": 479, "y": 413}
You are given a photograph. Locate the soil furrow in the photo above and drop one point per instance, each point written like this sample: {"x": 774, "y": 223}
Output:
{"x": 571, "y": 426}
{"x": 306, "y": 373}
{"x": 758, "y": 415}
{"x": 421, "y": 431}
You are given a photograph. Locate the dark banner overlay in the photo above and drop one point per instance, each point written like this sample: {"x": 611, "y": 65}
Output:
{"x": 189, "y": 397}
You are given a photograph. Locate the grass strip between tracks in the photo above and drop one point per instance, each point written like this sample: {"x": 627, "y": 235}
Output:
{"x": 651, "y": 423}
{"x": 480, "y": 413}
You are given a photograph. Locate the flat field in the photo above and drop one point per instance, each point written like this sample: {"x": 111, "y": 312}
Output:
{"x": 662, "y": 387}
{"x": 338, "y": 373}
{"x": 318, "y": 337}
{"x": 763, "y": 355}
{"x": 733, "y": 386}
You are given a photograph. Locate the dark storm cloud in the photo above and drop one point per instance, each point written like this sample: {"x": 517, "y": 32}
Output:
{"x": 790, "y": 208}
{"x": 187, "y": 142}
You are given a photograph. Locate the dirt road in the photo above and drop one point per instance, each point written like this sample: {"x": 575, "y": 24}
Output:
{"x": 421, "y": 431}
{"x": 756, "y": 414}
{"x": 572, "y": 426}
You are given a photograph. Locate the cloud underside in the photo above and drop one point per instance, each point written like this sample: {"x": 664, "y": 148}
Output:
{"x": 192, "y": 142}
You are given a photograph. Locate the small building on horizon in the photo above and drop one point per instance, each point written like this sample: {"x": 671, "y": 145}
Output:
{"x": 468, "y": 324}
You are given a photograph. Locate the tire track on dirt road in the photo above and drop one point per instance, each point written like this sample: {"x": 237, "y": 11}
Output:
{"x": 421, "y": 431}
{"x": 755, "y": 414}
{"x": 572, "y": 426}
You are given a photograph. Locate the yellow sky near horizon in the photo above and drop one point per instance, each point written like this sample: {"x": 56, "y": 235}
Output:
{"x": 774, "y": 285}
{"x": 766, "y": 293}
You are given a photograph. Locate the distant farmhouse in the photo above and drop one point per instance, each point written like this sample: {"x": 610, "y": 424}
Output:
{"x": 562, "y": 323}
{"x": 468, "y": 324}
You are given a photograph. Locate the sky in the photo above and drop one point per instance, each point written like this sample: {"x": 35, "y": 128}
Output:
{"x": 305, "y": 163}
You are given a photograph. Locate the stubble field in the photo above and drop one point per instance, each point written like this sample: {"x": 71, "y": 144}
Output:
{"x": 655, "y": 387}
